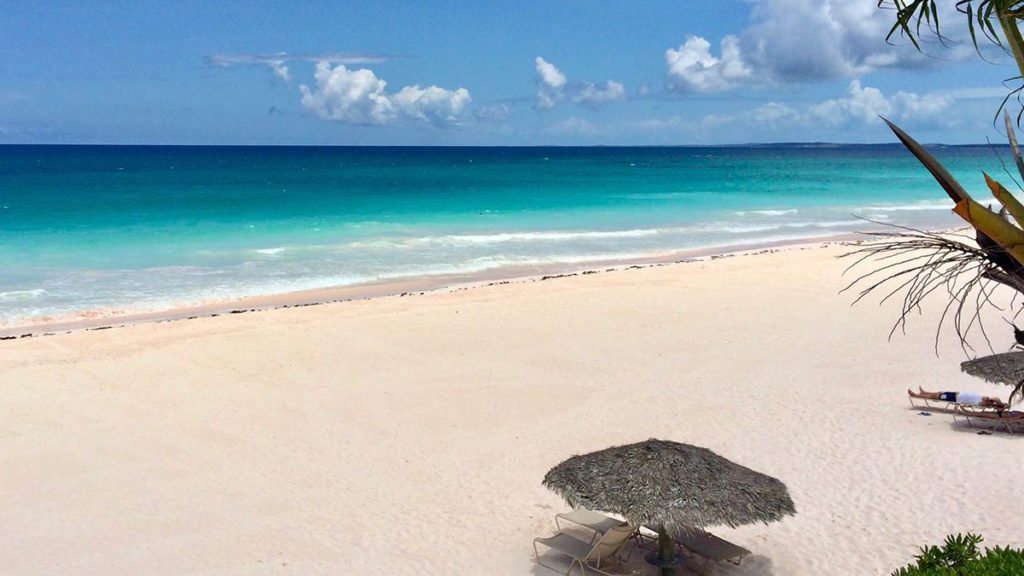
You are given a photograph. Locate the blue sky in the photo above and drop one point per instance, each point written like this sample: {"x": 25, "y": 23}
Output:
{"x": 482, "y": 73}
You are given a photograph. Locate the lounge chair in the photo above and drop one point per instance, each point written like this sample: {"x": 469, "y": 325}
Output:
{"x": 1006, "y": 419}
{"x": 941, "y": 404}
{"x": 595, "y": 521}
{"x": 944, "y": 405}
{"x": 589, "y": 555}
{"x": 712, "y": 547}
{"x": 706, "y": 545}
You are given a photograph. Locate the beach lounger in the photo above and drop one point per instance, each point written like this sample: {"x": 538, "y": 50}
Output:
{"x": 1006, "y": 420}
{"x": 712, "y": 547}
{"x": 944, "y": 405}
{"x": 704, "y": 544}
{"x": 595, "y": 521}
{"x": 967, "y": 410}
{"x": 588, "y": 555}
{"x": 927, "y": 404}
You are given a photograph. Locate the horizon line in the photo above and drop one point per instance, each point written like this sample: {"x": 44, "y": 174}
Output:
{"x": 791, "y": 144}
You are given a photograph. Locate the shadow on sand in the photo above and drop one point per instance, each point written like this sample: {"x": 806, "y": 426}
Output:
{"x": 753, "y": 565}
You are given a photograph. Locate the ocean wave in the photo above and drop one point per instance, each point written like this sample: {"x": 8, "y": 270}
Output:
{"x": 270, "y": 251}
{"x": 654, "y": 195}
{"x": 825, "y": 224}
{"x": 22, "y": 295}
{"x": 927, "y": 205}
{"x": 495, "y": 262}
{"x": 744, "y": 228}
{"x": 731, "y": 228}
{"x": 778, "y": 212}
{"x": 505, "y": 237}
{"x": 551, "y": 237}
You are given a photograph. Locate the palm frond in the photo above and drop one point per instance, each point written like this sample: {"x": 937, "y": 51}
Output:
{"x": 920, "y": 264}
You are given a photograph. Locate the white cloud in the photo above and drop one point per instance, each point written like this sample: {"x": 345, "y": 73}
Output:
{"x": 926, "y": 107}
{"x": 360, "y": 97}
{"x": 672, "y": 123}
{"x": 866, "y": 104}
{"x": 546, "y": 100}
{"x": 595, "y": 95}
{"x": 861, "y": 106}
{"x": 350, "y": 96}
{"x": 854, "y": 116}
{"x": 550, "y": 82}
{"x": 277, "y": 62}
{"x": 693, "y": 68}
{"x": 550, "y": 75}
{"x": 849, "y": 117}
{"x": 805, "y": 41}
{"x": 431, "y": 104}
{"x": 862, "y": 103}
{"x": 280, "y": 69}
{"x": 496, "y": 113}
{"x": 775, "y": 113}
{"x": 553, "y": 86}
{"x": 574, "y": 127}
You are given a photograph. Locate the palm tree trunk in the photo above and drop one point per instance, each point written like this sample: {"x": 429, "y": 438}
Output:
{"x": 667, "y": 552}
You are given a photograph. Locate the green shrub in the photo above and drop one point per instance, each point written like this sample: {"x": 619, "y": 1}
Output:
{"x": 960, "y": 557}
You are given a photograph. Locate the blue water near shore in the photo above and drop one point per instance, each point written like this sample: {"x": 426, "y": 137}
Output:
{"x": 122, "y": 228}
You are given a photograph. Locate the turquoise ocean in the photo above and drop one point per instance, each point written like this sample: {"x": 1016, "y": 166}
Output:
{"x": 87, "y": 229}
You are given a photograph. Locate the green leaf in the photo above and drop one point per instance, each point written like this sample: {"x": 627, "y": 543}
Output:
{"x": 938, "y": 171}
{"x": 1009, "y": 201}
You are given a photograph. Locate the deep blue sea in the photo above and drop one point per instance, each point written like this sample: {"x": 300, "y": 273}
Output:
{"x": 126, "y": 228}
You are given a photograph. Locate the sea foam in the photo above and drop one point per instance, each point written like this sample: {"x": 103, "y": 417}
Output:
{"x": 505, "y": 237}
{"x": 779, "y": 212}
{"x": 22, "y": 295}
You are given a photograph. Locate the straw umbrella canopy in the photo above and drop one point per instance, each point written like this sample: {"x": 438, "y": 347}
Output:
{"x": 1006, "y": 368}
{"x": 671, "y": 488}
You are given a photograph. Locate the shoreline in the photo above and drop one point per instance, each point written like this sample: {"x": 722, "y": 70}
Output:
{"x": 401, "y": 287}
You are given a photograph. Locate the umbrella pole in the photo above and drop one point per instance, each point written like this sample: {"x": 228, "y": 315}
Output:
{"x": 667, "y": 551}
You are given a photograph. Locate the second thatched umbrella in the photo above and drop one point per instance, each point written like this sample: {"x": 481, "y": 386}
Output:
{"x": 671, "y": 488}
{"x": 1006, "y": 368}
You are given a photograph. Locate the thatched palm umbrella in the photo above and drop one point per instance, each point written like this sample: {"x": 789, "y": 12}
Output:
{"x": 671, "y": 488}
{"x": 1006, "y": 368}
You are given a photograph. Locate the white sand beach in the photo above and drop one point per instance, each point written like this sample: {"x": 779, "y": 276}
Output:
{"x": 409, "y": 435}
